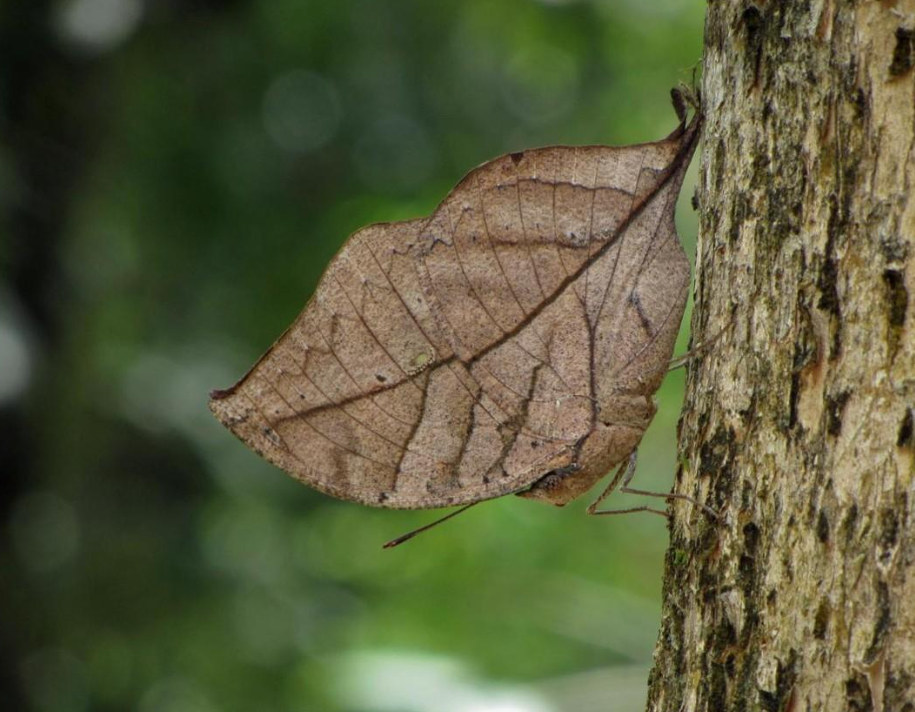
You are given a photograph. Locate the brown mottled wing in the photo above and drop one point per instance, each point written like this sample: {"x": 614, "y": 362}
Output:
{"x": 453, "y": 359}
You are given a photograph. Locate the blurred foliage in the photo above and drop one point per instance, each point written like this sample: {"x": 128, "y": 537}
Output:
{"x": 174, "y": 175}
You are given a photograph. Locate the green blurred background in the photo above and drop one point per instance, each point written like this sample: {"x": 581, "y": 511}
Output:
{"x": 174, "y": 175}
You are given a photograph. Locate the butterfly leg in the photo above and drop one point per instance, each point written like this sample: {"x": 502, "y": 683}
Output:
{"x": 698, "y": 349}
{"x": 643, "y": 508}
{"x": 625, "y": 474}
{"x": 673, "y": 495}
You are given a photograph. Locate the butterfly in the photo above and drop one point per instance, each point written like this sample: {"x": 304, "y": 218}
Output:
{"x": 509, "y": 343}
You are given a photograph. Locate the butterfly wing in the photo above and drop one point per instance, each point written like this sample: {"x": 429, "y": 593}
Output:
{"x": 452, "y": 359}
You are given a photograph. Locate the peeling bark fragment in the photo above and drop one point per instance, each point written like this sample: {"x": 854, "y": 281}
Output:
{"x": 897, "y": 298}
{"x": 903, "y": 52}
{"x": 823, "y": 527}
{"x": 753, "y": 26}
{"x": 821, "y": 621}
{"x": 827, "y": 283}
{"x": 905, "y": 437}
{"x": 882, "y": 624}
{"x": 835, "y": 407}
{"x": 793, "y": 395}
{"x": 889, "y": 534}
{"x": 715, "y": 452}
{"x": 858, "y": 694}
{"x": 786, "y": 673}
{"x": 849, "y": 524}
{"x": 894, "y": 248}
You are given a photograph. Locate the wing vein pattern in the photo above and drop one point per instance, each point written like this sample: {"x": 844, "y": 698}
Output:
{"x": 464, "y": 356}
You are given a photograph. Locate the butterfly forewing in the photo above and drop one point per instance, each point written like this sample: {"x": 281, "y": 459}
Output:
{"x": 460, "y": 357}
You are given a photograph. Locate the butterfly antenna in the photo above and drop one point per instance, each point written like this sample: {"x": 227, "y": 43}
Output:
{"x": 409, "y": 535}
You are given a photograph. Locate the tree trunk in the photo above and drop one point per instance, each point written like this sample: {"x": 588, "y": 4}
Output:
{"x": 798, "y": 424}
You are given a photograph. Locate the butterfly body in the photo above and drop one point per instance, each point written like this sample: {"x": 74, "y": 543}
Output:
{"x": 605, "y": 447}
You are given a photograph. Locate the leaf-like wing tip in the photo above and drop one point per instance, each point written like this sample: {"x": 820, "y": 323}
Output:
{"x": 220, "y": 393}
{"x": 228, "y": 418}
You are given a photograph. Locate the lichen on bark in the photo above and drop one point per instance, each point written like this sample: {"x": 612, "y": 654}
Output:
{"x": 797, "y": 426}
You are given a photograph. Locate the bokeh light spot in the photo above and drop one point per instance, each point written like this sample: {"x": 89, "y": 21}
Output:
{"x": 15, "y": 355}
{"x": 541, "y": 84}
{"x": 263, "y": 624}
{"x": 244, "y": 538}
{"x": 400, "y": 681}
{"x": 110, "y": 664}
{"x": 395, "y": 155}
{"x": 301, "y": 111}
{"x": 176, "y": 694}
{"x": 98, "y": 25}
{"x": 55, "y": 681}
{"x": 45, "y": 530}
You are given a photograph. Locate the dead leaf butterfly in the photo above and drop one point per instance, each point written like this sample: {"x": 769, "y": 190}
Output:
{"x": 509, "y": 343}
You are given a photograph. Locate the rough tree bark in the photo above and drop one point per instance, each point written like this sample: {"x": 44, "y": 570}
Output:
{"x": 798, "y": 426}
